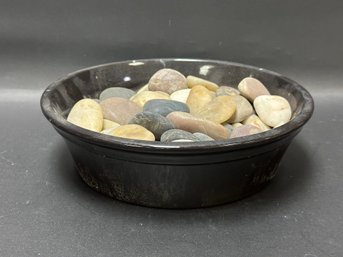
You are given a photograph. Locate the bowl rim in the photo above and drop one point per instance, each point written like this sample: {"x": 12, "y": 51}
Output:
{"x": 276, "y": 134}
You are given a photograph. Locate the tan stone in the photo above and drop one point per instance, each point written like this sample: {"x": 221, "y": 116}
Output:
{"x": 180, "y": 95}
{"x": 133, "y": 131}
{"x": 198, "y": 98}
{"x": 193, "y": 81}
{"x": 256, "y": 121}
{"x": 141, "y": 98}
{"x": 108, "y": 124}
{"x": 243, "y": 109}
{"x": 87, "y": 114}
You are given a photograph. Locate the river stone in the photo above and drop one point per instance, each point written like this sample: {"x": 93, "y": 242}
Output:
{"x": 245, "y": 130}
{"x": 219, "y": 110}
{"x": 144, "y": 96}
{"x": 252, "y": 88}
{"x": 177, "y": 134}
{"x": 256, "y": 121}
{"x": 180, "y": 95}
{"x": 198, "y": 98}
{"x": 87, "y": 114}
{"x": 272, "y": 109}
{"x": 133, "y": 131}
{"x": 143, "y": 88}
{"x": 108, "y": 124}
{"x": 168, "y": 81}
{"x": 193, "y": 81}
{"x": 190, "y": 123}
{"x": 108, "y": 131}
{"x": 226, "y": 90}
{"x": 121, "y": 92}
{"x": 236, "y": 125}
{"x": 164, "y": 107}
{"x": 119, "y": 110}
{"x": 243, "y": 109}
{"x": 203, "y": 137}
{"x": 153, "y": 122}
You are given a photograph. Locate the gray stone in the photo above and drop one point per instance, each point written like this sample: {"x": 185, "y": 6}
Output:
{"x": 177, "y": 134}
{"x": 116, "y": 92}
{"x": 164, "y": 107}
{"x": 153, "y": 122}
{"x": 203, "y": 137}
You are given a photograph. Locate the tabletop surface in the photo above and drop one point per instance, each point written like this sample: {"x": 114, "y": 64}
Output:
{"x": 46, "y": 209}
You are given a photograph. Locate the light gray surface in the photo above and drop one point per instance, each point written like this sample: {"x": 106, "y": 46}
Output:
{"x": 46, "y": 210}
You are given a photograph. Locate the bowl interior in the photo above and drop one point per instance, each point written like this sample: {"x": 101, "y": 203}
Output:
{"x": 59, "y": 97}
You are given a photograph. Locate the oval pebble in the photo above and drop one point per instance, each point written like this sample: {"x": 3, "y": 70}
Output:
{"x": 256, "y": 121}
{"x": 164, "y": 107}
{"x": 145, "y": 96}
{"x": 177, "y": 134}
{"x": 203, "y": 137}
{"x": 226, "y": 90}
{"x": 245, "y": 130}
{"x": 219, "y": 110}
{"x": 252, "y": 88}
{"x": 193, "y": 81}
{"x": 108, "y": 124}
{"x": 190, "y": 123}
{"x": 133, "y": 131}
{"x": 272, "y": 109}
{"x": 119, "y": 110}
{"x": 198, "y": 98}
{"x": 243, "y": 109}
{"x": 153, "y": 122}
{"x": 180, "y": 95}
{"x": 121, "y": 92}
{"x": 87, "y": 114}
{"x": 167, "y": 80}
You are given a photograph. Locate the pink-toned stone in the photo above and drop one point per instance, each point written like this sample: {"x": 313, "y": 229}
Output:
{"x": 167, "y": 80}
{"x": 252, "y": 88}
{"x": 245, "y": 130}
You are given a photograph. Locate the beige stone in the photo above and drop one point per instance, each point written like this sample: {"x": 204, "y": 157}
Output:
{"x": 87, "y": 114}
{"x": 108, "y": 124}
{"x": 133, "y": 131}
{"x": 198, "y": 98}
{"x": 180, "y": 95}
{"x": 168, "y": 81}
{"x": 256, "y": 121}
{"x": 193, "y": 81}
{"x": 141, "y": 98}
{"x": 226, "y": 90}
{"x": 252, "y": 88}
{"x": 243, "y": 109}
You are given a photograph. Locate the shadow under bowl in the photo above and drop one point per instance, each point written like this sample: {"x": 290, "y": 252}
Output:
{"x": 173, "y": 175}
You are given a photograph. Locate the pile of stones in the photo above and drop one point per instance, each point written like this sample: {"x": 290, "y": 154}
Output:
{"x": 175, "y": 108}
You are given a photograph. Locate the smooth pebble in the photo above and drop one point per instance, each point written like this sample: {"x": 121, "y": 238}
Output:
{"x": 252, "y": 88}
{"x": 203, "y": 137}
{"x": 245, "y": 130}
{"x": 177, "y": 134}
{"x": 236, "y": 125}
{"x": 193, "y": 81}
{"x": 153, "y": 122}
{"x": 256, "y": 121}
{"x": 198, "y": 98}
{"x": 226, "y": 90}
{"x": 272, "y": 109}
{"x": 133, "y": 131}
{"x": 167, "y": 80}
{"x": 121, "y": 92}
{"x": 119, "y": 110}
{"x": 87, "y": 114}
{"x": 145, "y": 96}
{"x": 190, "y": 123}
{"x": 143, "y": 88}
{"x": 243, "y": 109}
{"x": 108, "y": 124}
{"x": 180, "y": 95}
{"x": 164, "y": 107}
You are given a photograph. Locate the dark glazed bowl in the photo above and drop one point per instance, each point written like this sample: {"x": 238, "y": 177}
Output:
{"x": 186, "y": 175}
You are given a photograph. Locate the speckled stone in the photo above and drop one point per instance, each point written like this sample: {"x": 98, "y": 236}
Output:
{"x": 251, "y": 88}
{"x": 193, "y": 81}
{"x": 133, "y": 131}
{"x": 226, "y": 90}
{"x": 180, "y": 95}
{"x": 145, "y": 96}
{"x": 119, "y": 110}
{"x": 219, "y": 110}
{"x": 177, "y": 134}
{"x": 153, "y": 122}
{"x": 108, "y": 124}
{"x": 256, "y": 121}
{"x": 245, "y": 130}
{"x": 167, "y": 80}
{"x": 198, "y": 98}
{"x": 121, "y": 92}
{"x": 243, "y": 109}
{"x": 272, "y": 109}
{"x": 87, "y": 114}
{"x": 190, "y": 123}
{"x": 164, "y": 107}
{"x": 203, "y": 137}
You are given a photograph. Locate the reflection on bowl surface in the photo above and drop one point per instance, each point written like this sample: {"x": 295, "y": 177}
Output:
{"x": 170, "y": 175}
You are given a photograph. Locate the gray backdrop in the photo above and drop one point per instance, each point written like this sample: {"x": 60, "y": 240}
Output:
{"x": 46, "y": 210}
